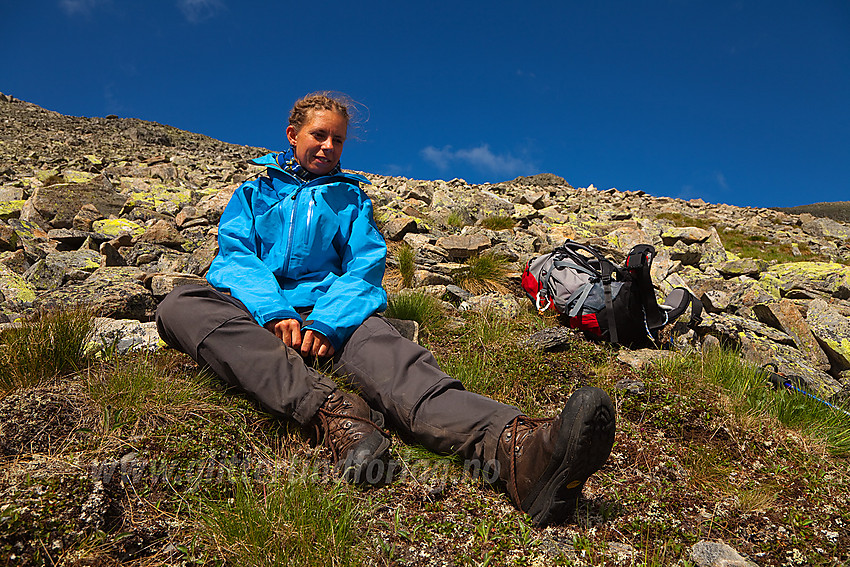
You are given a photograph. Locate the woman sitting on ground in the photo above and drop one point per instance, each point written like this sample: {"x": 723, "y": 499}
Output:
{"x": 297, "y": 280}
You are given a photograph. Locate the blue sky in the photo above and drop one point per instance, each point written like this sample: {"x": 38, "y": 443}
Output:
{"x": 739, "y": 102}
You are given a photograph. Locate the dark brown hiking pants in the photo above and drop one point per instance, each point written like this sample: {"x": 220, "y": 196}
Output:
{"x": 395, "y": 376}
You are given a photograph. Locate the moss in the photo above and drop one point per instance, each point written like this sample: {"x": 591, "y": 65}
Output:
{"x": 115, "y": 227}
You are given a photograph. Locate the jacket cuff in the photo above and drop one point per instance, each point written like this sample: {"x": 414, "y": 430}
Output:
{"x": 285, "y": 314}
{"x": 327, "y": 331}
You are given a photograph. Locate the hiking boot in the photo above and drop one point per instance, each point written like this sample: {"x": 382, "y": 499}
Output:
{"x": 544, "y": 463}
{"x": 353, "y": 432}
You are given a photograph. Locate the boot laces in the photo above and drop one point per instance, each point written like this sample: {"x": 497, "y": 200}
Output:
{"x": 333, "y": 428}
{"x": 525, "y": 426}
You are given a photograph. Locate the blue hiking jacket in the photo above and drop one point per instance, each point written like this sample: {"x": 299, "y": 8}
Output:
{"x": 286, "y": 245}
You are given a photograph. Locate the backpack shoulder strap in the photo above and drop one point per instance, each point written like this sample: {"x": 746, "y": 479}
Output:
{"x": 639, "y": 265}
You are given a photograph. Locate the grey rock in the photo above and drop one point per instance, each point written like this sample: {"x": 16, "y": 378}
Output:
{"x": 122, "y": 336}
{"x": 550, "y": 338}
{"x": 717, "y": 554}
{"x": 686, "y": 235}
{"x": 165, "y": 233}
{"x": 115, "y": 292}
{"x": 832, "y": 331}
{"x": 464, "y": 246}
{"x": 504, "y": 306}
{"x": 58, "y": 204}
{"x": 111, "y": 256}
{"x": 816, "y": 278}
{"x": 760, "y": 350}
{"x": 785, "y": 316}
{"x": 744, "y": 267}
{"x": 397, "y": 228}
{"x": 163, "y": 284}
{"x": 406, "y": 328}
{"x": 630, "y": 386}
{"x": 715, "y": 301}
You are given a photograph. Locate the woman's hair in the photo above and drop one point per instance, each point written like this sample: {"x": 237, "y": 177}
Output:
{"x": 323, "y": 100}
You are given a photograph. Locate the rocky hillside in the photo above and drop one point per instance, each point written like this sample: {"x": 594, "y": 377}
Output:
{"x": 116, "y": 212}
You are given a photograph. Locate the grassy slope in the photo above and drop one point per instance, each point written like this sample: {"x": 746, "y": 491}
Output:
{"x": 153, "y": 462}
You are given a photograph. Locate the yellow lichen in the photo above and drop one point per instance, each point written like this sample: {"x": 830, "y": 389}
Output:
{"x": 14, "y": 286}
{"x": 116, "y": 227}
{"x": 73, "y": 176}
{"x": 11, "y": 209}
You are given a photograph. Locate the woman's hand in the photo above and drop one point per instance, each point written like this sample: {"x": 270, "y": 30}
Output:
{"x": 311, "y": 344}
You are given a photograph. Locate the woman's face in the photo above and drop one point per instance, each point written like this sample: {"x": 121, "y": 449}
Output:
{"x": 318, "y": 144}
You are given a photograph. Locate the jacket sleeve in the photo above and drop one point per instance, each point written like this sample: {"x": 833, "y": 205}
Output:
{"x": 358, "y": 292}
{"x": 238, "y": 270}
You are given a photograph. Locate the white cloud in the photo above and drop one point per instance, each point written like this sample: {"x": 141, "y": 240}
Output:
{"x": 72, "y": 7}
{"x": 721, "y": 180}
{"x": 197, "y": 11}
{"x": 481, "y": 158}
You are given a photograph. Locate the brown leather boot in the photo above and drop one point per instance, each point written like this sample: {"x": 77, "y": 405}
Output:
{"x": 544, "y": 463}
{"x": 353, "y": 432}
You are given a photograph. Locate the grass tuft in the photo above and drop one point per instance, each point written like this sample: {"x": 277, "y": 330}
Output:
{"x": 456, "y": 220}
{"x": 405, "y": 256}
{"x": 417, "y": 306}
{"x": 484, "y": 274}
{"x": 44, "y": 346}
{"x": 498, "y": 222}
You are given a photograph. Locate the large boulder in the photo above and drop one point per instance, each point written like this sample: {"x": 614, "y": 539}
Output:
{"x": 785, "y": 315}
{"x": 115, "y": 292}
{"x": 58, "y": 204}
{"x": 790, "y": 362}
{"x": 810, "y": 279}
{"x": 832, "y": 331}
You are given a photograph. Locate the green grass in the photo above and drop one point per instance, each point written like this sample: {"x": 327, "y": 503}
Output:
{"x": 405, "y": 256}
{"x": 706, "y": 452}
{"x": 296, "y": 522}
{"x": 749, "y": 395}
{"x": 417, "y": 306}
{"x": 456, "y": 220}
{"x": 138, "y": 386}
{"x": 484, "y": 274}
{"x": 45, "y": 346}
{"x": 498, "y": 222}
{"x": 758, "y": 246}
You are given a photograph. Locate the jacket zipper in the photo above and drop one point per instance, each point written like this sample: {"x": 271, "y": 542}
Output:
{"x": 291, "y": 236}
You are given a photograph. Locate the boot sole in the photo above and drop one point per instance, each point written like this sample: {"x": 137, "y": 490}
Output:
{"x": 584, "y": 443}
{"x": 371, "y": 470}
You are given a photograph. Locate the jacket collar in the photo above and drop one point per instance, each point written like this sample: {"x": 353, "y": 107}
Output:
{"x": 272, "y": 160}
